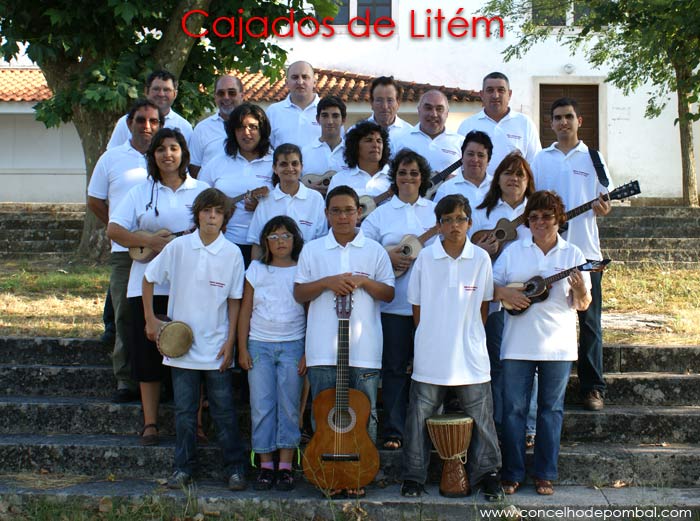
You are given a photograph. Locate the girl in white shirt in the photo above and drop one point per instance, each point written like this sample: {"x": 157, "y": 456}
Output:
{"x": 271, "y": 331}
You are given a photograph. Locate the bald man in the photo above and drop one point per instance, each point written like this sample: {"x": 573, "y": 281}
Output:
{"x": 293, "y": 120}
{"x": 429, "y": 137}
{"x": 209, "y": 134}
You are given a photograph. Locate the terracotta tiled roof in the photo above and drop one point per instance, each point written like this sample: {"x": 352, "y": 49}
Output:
{"x": 350, "y": 87}
{"x": 23, "y": 85}
{"x": 30, "y": 85}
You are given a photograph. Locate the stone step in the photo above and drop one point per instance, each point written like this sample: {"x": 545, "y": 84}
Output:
{"x": 58, "y": 221}
{"x": 673, "y": 465}
{"x": 39, "y": 246}
{"x": 648, "y": 389}
{"x": 651, "y": 243}
{"x": 675, "y": 231}
{"x": 40, "y": 234}
{"x": 34, "y": 256}
{"x": 635, "y": 222}
{"x": 39, "y": 208}
{"x": 688, "y": 257}
{"x": 51, "y": 415}
{"x": 678, "y": 212}
{"x": 85, "y": 351}
{"x": 52, "y": 380}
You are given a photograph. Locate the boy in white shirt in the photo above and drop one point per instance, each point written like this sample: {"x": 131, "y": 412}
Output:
{"x": 450, "y": 288}
{"x": 202, "y": 267}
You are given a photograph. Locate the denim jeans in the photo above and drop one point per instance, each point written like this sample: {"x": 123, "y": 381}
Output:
{"x": 483, "y": 456}
{"x": 553, "y": 377}
{"x": 398, "y": 332}
{"x": 186, "y": 385}
{"x": 590, "y": 341}
{"x": 531, "y": 425}
{"x": 322, "y": 377}
{"x": 275, "y": 391}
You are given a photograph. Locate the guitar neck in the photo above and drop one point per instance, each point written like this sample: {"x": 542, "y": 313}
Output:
{"x": 342, "y": 379}
{"x": 584, "y": 207}
{"x": 561, "y": 275}
{"x": 379, "y": 199}
{"x": 425, "y": 236}
{"x": 238, "y": 198}
{"x": 441, "y": 176}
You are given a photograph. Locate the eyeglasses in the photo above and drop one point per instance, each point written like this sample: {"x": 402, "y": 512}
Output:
{"x": 142, "y": 121}
{"x": 450, "y": 220}
{"x": 337, "y": 212}
{"x": 412, "y": 173}
{"x": 544, "y": 218}
{"x": 478, "y": 155}
{"x": 278, "y": 236}
{"x": 249, "y": 128}
{"x": 232, "y": 93}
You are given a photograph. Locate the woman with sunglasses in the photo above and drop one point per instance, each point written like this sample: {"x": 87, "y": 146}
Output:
{"x": 408, "y": 212}
{"x": 162, "y": 202}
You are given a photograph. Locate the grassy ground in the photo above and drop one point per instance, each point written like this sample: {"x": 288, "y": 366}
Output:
{"x": 64, "y": 298}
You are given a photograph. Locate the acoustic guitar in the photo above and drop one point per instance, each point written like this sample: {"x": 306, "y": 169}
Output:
{"x": 341, "y": 454}
{"x": 411, "y": 246}
{"x": 506, "y": 230}
{"x": 537, "y": 288}
{"x": 368, "y": 203}
{"x": 318, "y": 182}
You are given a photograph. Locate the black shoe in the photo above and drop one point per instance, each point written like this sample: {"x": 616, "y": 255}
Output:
{"x": 237, "y": 481}
{"x": 285, "y": 480}
{"x": 410, "y": 488}
{"x": 125, "y": 396}
{"x": 265, "y": 479}
{"x": 491, "y": 487}
{"x": 593, "y": 401}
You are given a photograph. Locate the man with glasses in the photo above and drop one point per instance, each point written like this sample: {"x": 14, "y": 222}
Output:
{"x": 116, "y": 172}
{"x": 209, "y": 134}
{"x": 566, "y": 167}
{"x": 385, "y": 99}
{"x": 161, "y": 90}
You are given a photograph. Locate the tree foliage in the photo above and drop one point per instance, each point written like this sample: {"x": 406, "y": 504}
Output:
{"x": 642, "y": 43}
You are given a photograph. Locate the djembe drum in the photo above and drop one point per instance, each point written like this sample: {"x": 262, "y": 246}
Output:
{"x": 451, "y": 434}
{"x": 174, "y": 338}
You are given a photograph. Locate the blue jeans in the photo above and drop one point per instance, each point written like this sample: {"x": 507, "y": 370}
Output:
{"x": 590, "y": 341}
{"x": 531, "y": 425}
{"x": 553, "y": 377}
{"x": 186, "y": 385}
{"x": 322, "y": 377}
{"x": 275, "y": 391}
{"x": 483, "y": 456}
{"x": 398, "y": 332}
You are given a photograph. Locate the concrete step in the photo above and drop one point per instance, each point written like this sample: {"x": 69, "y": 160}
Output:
{"x": 214, "y": 501}
{"x": 39, "y": 246}
{"x": 633, "y": 222}
{"x": 63, "y": 415}
{"x": 85, "y": 351}
{"x": 651, "y": 243}
{"x": 678, "y": 212}
{"x": 58, "y": 221}
{"x": 688, "y": 257}
{"x": 40, "y": 234}
{"x": 673, "y": 465}
{"x": 52, "y": 380}
{"x": 648, "y": 389}
{"x": 677, "y": 230}
{"x": 38, "y": 208}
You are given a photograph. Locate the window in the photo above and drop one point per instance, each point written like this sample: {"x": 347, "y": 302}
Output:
{"x": 351, "y": 8}
{"x": 555, "y": 13}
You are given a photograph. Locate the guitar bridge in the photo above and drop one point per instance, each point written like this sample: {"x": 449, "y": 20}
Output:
{"x": 340, "y": 457}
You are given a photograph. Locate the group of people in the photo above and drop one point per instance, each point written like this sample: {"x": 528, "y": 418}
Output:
{"x": 260, "y": 257}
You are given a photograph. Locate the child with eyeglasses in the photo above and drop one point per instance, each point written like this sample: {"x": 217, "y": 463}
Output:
{"x": 271, "y": 331}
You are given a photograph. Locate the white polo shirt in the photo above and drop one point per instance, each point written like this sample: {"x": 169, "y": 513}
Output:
{"x": 361, "y": 181}
{"x": 450, "y": 342}
{"x": 515, "y": 131}
{"x": 319, "y": 158}
{"x": 574, "y": 178}
{"x": 398, "y": 127}
{"x": 460, "y": 185}
{"x": 547, "y": 329}
{"x": 502, "y": 210}
{"x": 207, "y": 140}
{"x": 138, "y": 212}
{"x": 276, "y": 316}
{"x": 387, "y": 225}
{"x": 235, "y": 176}
{"x": 116, "y": 172}
{"x": 292, "y": 124}
{"x": 197, "y": 275}
{"x": 324, "y": 257}
{"x": 306, "y": 207}
{"x": 121, "y": 133}
{"x": 440, "y": 152}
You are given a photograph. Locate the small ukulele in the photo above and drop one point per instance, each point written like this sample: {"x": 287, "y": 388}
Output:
{"x": 411, "y": 246}
{"x": 147, "y": 254}
{"x": 318, "y": 182}
{"x": 257, "y": 193}
{"x": 537, "y": 288}
{"x": 506, "y": 231}
{"x": 341, "y": 454}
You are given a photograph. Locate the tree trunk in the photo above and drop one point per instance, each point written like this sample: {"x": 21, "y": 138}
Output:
{"x": 685, "y": 128}
{"x": 175, "y": 46}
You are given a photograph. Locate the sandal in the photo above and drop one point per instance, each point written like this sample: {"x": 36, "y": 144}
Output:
{"x": 510, "y": 487}
{"x": 149, "y": 440}
{"x": 529, "y": 441}
{"x": 544, "y": 487}
{"x": 392, "y": 443}
{"x": 202, "y": 436}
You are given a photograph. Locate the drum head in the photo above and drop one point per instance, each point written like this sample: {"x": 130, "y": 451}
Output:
{"x": 449, "y": 419}
{"x": 174, "y": 339}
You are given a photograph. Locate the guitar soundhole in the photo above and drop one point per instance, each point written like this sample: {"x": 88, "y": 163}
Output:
{"x": 500, "y": 235}
{"x": 343, "y": 421}
{"x": 326, "y": 182}
{"x": 406, "y": 251}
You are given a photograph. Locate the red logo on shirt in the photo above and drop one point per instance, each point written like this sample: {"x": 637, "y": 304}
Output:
{"x": 216, "y": 284}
